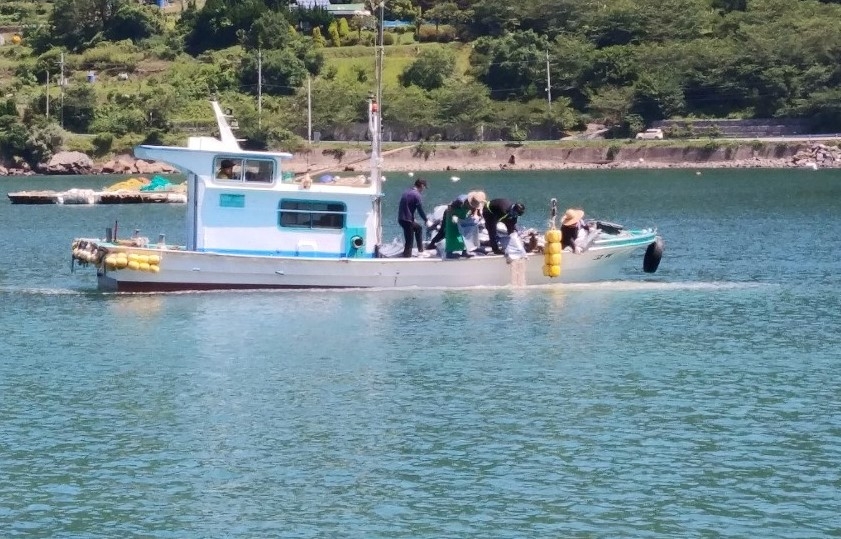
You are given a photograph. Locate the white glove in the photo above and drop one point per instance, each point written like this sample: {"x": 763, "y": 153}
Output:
{"x": 455, "y": 220}
{"x": 429, "y": 223}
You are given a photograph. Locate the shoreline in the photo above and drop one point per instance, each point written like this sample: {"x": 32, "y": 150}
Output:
{"x": 453, "y": 158}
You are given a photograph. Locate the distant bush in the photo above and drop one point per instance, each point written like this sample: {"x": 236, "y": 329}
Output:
{"x": 389, "y": 38}
{"x": 429, "y": 33}
{"x": 102, "y": 143}
{"x": 111, "y": 57}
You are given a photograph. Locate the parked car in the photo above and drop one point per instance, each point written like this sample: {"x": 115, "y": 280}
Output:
{"x": 650, "y": 134}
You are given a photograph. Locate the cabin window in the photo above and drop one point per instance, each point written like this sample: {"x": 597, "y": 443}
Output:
{"x": 249, "y": 170}
{"x": 312, "y": 214}
{"x": 259, "y": 170}
{"x": 228, "y": 169}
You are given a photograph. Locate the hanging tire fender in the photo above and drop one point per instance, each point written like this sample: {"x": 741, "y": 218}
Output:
{"x": 653, "y": 254}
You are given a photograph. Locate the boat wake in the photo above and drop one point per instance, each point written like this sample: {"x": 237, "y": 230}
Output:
{"x": 602, "y": 286}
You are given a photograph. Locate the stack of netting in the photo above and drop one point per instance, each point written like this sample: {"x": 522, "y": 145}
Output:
{"x": 129, "y": 184}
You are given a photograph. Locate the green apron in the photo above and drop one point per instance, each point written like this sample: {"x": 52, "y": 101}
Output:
{"x": 453, "y": 240}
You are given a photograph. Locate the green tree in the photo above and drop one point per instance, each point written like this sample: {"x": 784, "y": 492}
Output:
{"x": 462, "y": 103}
{"x": 35, "y": 145}
{"x": 318, "y": 39}
{"x": 611, "y": 104}
{"x": 79, "y": 107}
{"x": 283, "y": 72}
{"x": 333, "y": 32}
{"x": 218, "y": 24}
{"x": 656, "y": 98}
{"x": 430, "y": 70}
{"x": 493, "y": 18}
{"x": 444, "y": 13}
{"x": 344, "y": 29}
{"x": 79, "y": 24}
{"x": 271, "y": 30}
{"x": 409, "y": 109}
{"x": 132, "y": 22}
{"x": 512, "y": 66}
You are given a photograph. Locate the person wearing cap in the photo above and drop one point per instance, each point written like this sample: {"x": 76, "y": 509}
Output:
{"x": 501, "y": 210}
{"x": 410, "y": 202}
{"x": 459, "y": 215}
{"x": 573, "y": 230}
{"x": 226, "y": 170}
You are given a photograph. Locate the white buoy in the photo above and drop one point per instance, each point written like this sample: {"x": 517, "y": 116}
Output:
{"x": 454, "y": 178}
{"x": 814, "y": 166}
{"x": 383, "y": 178}
{"x": 411, "y": 174}
{"x": 697, "y": 172}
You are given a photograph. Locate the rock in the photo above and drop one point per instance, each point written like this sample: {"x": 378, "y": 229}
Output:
{"x": 122, "y": 164}
{"x": 68, "y": 163}
{"x": 126, "y": 164}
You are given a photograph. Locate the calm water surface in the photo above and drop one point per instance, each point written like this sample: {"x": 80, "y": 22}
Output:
{"x": 702, "y": 401}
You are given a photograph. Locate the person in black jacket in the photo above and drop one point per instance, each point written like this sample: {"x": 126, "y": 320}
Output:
{"x": 501, "y": 210}
{"x": 410, "y": 202}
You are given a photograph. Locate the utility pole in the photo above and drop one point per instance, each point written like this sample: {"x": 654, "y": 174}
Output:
{"x": 548, "y": 81}
{"x": 260, "y": 88}
{"x": 48, "y": 96}
{"x": 61, "y": 85}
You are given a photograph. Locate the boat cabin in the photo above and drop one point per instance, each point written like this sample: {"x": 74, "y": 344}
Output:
{"x": 241, "y": 202}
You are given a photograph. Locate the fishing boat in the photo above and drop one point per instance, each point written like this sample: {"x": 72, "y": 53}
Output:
{"x": 260, "y": 228}
{"x": 254, "y": 227}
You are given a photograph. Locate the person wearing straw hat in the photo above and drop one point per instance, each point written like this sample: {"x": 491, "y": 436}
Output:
{"x": 475, "y": 201}
{"x": 501, "y": 210}
{"x": 573, "y": 228}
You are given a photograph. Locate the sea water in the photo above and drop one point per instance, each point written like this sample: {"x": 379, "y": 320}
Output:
{"x": 702, "y": 400}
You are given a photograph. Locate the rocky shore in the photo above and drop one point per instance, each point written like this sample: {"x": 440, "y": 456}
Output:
{"x": 452, "y": 157}
{"x": 71, "y": 163}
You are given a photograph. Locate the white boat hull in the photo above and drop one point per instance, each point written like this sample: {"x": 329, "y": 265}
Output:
{"x": 189, "y": 270}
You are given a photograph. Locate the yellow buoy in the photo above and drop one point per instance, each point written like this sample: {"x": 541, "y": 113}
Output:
{"x": 154, "y": 268}
{"x": 154, "y": 259}
{"x": 133, "y": 264}
{"x": 16, "y": 39}
{"x": 552, "y": 253}
{"x": 144, "y": 266}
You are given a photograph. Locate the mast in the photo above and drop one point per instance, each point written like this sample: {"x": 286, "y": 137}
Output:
{"x": 375, "y": 123}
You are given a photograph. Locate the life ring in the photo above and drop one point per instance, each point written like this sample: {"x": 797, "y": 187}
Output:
{"x": 653, "y": 254}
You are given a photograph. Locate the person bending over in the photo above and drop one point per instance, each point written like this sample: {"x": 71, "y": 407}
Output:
{"x": 501, "y": 210}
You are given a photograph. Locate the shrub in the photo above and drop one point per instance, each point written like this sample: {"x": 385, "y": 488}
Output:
{"x": 102, "y": 143}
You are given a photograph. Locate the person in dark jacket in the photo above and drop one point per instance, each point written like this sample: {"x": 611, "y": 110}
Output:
{"x": 410, "y": 202}
{"x": 501, "y": 210}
